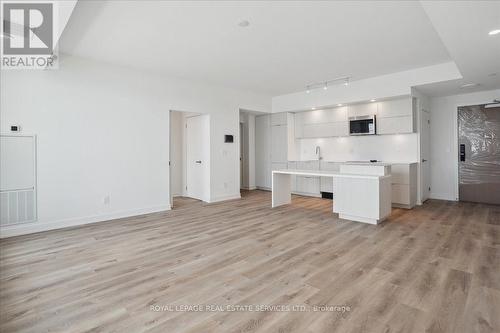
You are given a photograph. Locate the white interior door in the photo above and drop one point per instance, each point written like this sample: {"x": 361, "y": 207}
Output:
{"x": 198, "y": 157}
{"x": 425, "y": 150}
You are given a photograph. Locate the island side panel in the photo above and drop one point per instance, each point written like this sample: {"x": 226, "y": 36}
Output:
{"x": 281, "y": 189}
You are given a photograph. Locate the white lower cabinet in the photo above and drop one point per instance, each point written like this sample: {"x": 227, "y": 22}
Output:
{"x": 307, "y": 185}
{"x": 326, "y": 183}
{"x": 278, "y": 166}
{"x": 404, "y": 185}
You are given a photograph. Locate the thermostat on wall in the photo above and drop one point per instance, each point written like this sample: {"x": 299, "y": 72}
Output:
{"x": 228, "y": 138}
{"x": 15, "y": 128}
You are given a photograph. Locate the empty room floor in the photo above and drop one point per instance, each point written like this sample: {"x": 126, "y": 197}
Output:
{"x": 433, "y": 268}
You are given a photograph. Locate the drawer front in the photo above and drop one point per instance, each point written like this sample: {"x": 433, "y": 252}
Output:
{"x": 401, "y": 194}
{"x": 400, "y": 174}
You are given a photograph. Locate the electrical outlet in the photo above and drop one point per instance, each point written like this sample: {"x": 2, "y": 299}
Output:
{"x": 106, "y": 200}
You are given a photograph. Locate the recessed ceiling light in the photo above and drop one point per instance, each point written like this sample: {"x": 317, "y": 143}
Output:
{"x": 494, "y": 32}
{"x": 340, "y": 104}
{"x": 373, "y": 100}
{"x": 313, "y": 108}
{"x": 469, "y": 85}
{"x": 325, "y": 86}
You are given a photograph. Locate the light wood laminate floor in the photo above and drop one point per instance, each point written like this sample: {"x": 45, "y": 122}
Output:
{"x": 435, "y": 268}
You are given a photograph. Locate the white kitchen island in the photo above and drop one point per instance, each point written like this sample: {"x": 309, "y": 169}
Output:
{"x": 363, "y": 197}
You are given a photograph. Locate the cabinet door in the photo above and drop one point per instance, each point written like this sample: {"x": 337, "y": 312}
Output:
{"x": 262, "y": 151}
{"x": 279, "y": 144}
{"x": 278, "y": 119}
{"x": 366, "y": 109}
{"x": 308, "y": 184}
{"x": 401, "y": 194}
{"x": 400, "y": 174}
{"x": 395, "y": 108}
{"x": 338, "y": 114}
{"x": 395, "y": 125}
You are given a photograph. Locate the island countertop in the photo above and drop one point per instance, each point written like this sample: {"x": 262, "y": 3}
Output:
{"x": 325, "y": 173}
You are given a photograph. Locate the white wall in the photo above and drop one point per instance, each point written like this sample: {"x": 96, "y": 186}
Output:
{"x": 104, "y": 130}
{"x": 444, "y": 140}
{"x": 389, "y": 148}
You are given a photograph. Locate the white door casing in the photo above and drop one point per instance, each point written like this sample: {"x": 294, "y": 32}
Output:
{"x": 425, "y": 150}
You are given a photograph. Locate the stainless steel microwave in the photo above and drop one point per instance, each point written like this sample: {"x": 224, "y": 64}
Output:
{"x": 362, "y": 125}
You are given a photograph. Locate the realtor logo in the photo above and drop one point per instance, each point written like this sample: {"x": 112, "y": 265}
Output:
{"x": 28, "y": 35}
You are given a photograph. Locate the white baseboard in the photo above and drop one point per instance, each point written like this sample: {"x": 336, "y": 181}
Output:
{"x": 226, "y": 197}
{"x": 251, "y": 188}
{"x": 29, "y": 228}
{"x": 263, "y": 188}
{"x": 442, "y": 196}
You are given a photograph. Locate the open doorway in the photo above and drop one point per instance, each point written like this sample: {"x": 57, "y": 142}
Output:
{"x": 479, "y": 153}
{"x": 189, "y": 156}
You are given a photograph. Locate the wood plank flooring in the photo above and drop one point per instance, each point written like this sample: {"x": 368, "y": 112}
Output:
{"x": 435, "y": 268}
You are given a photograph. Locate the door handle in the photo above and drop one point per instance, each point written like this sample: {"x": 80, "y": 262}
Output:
{"x": 424, "y": 160}
{"x": 199, "y": 162}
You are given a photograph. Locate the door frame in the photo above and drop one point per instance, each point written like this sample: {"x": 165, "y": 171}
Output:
{"x": 421, "y": 111}
{"x": 455, "y": 140}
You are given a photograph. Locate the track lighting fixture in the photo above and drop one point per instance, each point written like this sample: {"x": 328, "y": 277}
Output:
{"x": 344, "y": 80}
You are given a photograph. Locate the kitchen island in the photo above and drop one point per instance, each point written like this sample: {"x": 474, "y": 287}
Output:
{"x": 362, "y": 194}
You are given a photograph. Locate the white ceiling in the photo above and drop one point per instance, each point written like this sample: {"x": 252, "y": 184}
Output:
{"x": 463, "y": 27}
{"x": 286, "y": 46}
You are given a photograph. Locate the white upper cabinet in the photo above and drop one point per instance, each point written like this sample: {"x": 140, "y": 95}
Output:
{"x": 395, "y": 125}
{"x": 322, "y": 116}
{"x": 366, "y": 109}
{"x": 278, "y": 119}
{"x": 395, "y": 108}
{"x": 395, "y": 116}
{"x": 321, "y": 123}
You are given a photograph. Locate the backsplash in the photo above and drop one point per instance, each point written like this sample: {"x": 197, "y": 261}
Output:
{"x": 390, "y": 148}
